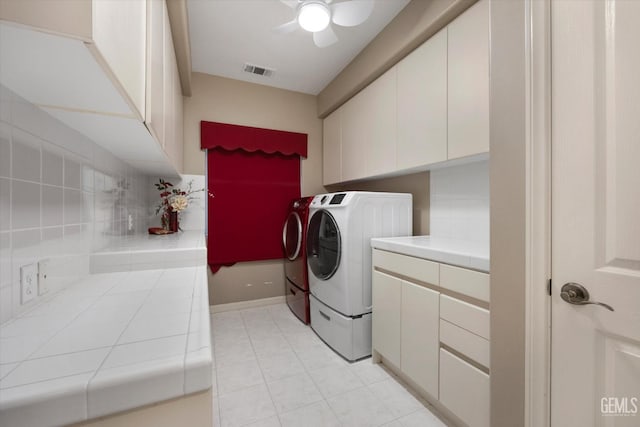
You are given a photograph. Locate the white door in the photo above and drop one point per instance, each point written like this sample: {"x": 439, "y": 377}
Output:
{"x": 595, "y": 378}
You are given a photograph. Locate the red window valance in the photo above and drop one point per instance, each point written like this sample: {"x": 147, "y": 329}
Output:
{"x": 251, "y": 139}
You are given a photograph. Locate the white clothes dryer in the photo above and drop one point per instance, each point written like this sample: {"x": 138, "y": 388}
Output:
{"x": 339, "y": 234}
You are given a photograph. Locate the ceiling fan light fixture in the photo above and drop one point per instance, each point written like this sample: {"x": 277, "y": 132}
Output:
{"x": 314, "y": 16}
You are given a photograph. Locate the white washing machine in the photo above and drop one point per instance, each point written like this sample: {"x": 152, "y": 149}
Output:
{"x": 339, "y": 234}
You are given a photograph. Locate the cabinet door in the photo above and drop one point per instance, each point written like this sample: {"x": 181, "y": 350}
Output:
{"x": 422, "y": 104}
{"x": 169, "y": 71}
{"x": 155, "y": 69}
{"x": 119, "y": 34}
{"x": 468, "y": 86}
{"x": 386, "y": 316}
{"x": 178, "y": 146}
{"x": 331, "y": 148}
{"x": 356, "y": 134}
{"x": 381, "y": 111}
{"x": 420, "y": 336}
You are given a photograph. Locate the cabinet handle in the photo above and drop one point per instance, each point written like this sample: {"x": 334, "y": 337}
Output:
{"x": 324, "y": 315}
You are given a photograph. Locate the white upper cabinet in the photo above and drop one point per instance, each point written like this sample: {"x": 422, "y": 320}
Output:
{"x": 368, "y": 128}
{"x": 422, "y": 104}
{"x": 355, "y": 137}
{"x": 45, "y": 69}
{"x": 431, "y": 107}
{"x": 100, "y": 66}
{"x": 172, "y": 108}
{"x": 381, "y": 111}
{"x": 176, "y": 154}
{"x": 119, "y": 34}
{"x": 155, "y": 88}
{"x": 468, "y": 84}
{"x": 331, "y": 148}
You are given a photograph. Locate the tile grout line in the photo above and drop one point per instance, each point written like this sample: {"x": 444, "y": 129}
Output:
{"x": 27, "y": 358}
{"x": 42, "y": 381}
{"x": 86, "y": 394}
{"x": 324, "y": 398}
{"x": 261, "y": 373}
{"x": 186, "y": 344}
{"x": 390, "y": 376}
{"x": 57, "y": 294}
{"x": 306, "y": 371}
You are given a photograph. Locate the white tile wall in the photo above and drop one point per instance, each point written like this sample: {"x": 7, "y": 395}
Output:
{"x": 61, "y": 195}
{"x": 459, "y": 205}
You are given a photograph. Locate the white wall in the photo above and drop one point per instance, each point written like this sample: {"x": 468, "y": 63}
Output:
{"x": 459, "y": 205}
{"x": 61, "y": 196}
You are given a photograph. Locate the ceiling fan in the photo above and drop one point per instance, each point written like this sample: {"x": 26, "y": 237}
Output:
{"x": 316, "y": 17}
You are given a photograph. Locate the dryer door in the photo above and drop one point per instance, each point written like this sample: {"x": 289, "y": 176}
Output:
{"x": 323, "y": 245}
{"x": 292, "y": 236}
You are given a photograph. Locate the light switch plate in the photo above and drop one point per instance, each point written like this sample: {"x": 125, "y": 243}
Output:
{"x": 28, "y": 282}
{"x": 43, "y": 273}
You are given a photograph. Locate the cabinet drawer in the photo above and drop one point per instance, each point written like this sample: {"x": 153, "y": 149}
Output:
{"x": 471, "y": 345}
{"x": 415, "y": 268}
{"x": 464, "y": 390}
{"x": 465, "y": 315}
{"x": 468, "y": 282}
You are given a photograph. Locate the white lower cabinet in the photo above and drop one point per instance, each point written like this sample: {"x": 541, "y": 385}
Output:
{"x": 464, "y": 390}
{"x": 405, "y": 328}
{"x": 386, "y": 299}
{"x": 435, "y": 331}
{"x": 419, "y": 335}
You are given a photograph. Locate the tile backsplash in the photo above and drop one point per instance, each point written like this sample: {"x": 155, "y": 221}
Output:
{"x": 61, "y": 197}
{"x": 459, "y": 202}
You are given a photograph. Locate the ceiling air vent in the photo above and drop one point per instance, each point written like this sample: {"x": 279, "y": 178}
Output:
{"x": 256, "y": 69}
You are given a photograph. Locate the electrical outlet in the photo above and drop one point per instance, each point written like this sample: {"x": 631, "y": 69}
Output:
{"x": 28, "y": 282}
{"x": 43, "y": 273}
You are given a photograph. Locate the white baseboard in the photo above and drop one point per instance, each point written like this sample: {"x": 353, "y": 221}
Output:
{"x": 242, "y": 305}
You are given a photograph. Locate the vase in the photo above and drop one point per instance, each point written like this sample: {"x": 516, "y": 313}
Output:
{"x": 165, "y": 220}
{"x": 173, "y": 221}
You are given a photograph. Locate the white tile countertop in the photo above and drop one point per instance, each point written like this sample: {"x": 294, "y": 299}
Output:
{"x": 108, "y": 343}
{"x": 462, "y": 253}
{"x": 183, "y": 249}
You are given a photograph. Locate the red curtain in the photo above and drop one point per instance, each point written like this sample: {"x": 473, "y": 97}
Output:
{"x": 251, "y": 192}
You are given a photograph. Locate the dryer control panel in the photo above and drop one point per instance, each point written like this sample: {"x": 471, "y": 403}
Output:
{"x": 337, "y": 199}
{"x": 330, "y": 199}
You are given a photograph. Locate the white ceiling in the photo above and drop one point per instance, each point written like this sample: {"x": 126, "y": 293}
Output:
{"x": 227, "y": 33}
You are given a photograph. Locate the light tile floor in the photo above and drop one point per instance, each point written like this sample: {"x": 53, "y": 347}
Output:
{"x": 271, "y": 370}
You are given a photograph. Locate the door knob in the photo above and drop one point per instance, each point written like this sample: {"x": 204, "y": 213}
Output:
{"x": 575, "y": 293}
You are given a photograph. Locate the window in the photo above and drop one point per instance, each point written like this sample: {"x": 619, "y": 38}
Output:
{"x": 253, "y": 174}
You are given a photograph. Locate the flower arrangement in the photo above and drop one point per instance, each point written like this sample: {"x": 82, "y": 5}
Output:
{"x": 173, "y": 200}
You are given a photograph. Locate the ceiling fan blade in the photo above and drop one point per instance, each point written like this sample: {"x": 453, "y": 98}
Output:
{"x": 286, "y": 28}
{"x": 325, "y": 37}
{"x": 291, "y": 3}
{"x": 351, "y": 13}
